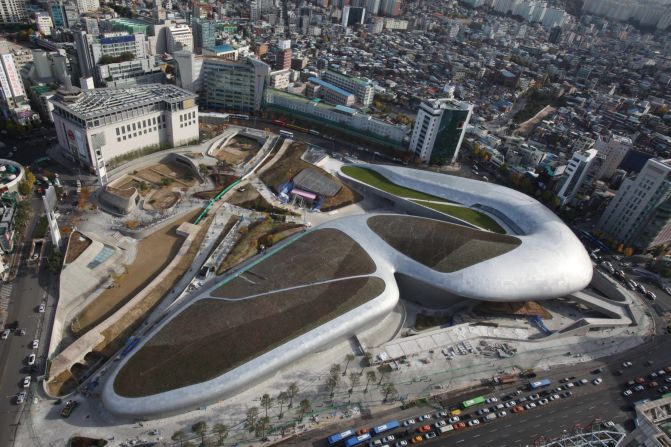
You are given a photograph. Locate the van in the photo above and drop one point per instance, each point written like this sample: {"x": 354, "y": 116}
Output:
{"x": 446, "y": 429}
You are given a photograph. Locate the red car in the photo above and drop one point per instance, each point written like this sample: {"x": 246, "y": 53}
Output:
{"x": 459, "y": 425}
{"x": 424, "y": 428}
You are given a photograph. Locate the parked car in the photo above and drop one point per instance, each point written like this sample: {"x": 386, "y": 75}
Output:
{"x": 627, "y": 393}
{"x": 5, "y": 334}
{"x": 26, "y": 381}
{"x": 31, "y": 359}
{"x": 638, "y": 388}
{"x": 597, "y": 381}
{"x": 41, "y": 308}
{"x": 473, "y": 422}
{"x": 21, "y": 397}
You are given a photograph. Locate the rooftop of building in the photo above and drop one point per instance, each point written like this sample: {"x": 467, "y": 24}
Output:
{"x": 222, "y": 48}
{"x": 107, "y": 100}
{"x": 330, "y": 86}
{"x": 354, "y": 78}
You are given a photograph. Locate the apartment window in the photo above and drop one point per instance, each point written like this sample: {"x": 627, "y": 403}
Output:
{"x": 124, "y": 137}
{"x": 117, "y": 131}
{"x": 118, "y": 139}
{"x": 154, "y": 121}
{"x": 134, "y": 126}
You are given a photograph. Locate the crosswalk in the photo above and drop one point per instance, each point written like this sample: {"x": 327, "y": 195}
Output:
{"x": 5, "y": 294}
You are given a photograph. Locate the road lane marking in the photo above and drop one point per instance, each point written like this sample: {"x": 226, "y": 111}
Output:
{"x": 509, "y": 425}
{"x": 461, "y": 440}
{"x": 476, "y": 436}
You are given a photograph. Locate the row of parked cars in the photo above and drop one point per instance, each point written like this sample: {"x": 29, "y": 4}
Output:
{"x": 630, "y": 283}
{"x": 658, "y": 380}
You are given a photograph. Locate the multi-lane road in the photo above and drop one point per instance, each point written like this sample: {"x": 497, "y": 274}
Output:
{"x": 589, "y": 402}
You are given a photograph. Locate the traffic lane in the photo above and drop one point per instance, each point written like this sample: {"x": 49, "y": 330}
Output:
{"x": 25, "y": 298}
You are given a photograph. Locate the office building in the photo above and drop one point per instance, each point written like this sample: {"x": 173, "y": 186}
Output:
{"x": 363, "y": 90}
{"x": 95, "y": 126}
{"x": 318, "y": 88}
{"x": 44, "y": 23}
{"x": 652, "y": 423}
{"x": 188, "y": 70}
{"x": 615, "y": 148}
{"x": 580, "y": 174}
{"x": 111, "y": 47}
{"x": 352, "y": 16}
{"x": 390, "y": 8}
{"x": 129, "y": 73}
{"x": 372, "y": 6}
{"x": 179, "y": 37}
{"x": 63, "y": 15}
{"x": 13, "y": 11}
{"x": 90, "y": 25}
{"x": 439, "y": 130}
{"x": 555, "y": 35}
{"x": 204, "y": 33}
{"x": 85, "y": 60}
{"x": 233, "y": 85}
{"x": 88, "y": 5}
{"x": 639, "y": 215}
{"x": 11, "y": 85}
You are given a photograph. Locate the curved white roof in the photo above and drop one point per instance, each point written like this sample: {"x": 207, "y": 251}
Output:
{"x": 546, "y": 261}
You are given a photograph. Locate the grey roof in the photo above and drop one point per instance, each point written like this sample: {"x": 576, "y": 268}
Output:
{"x": 103, "y": 101}
{"x": 313, "y": 181}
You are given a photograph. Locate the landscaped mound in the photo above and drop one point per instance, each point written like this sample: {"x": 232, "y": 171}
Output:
{"x": 213, "y": 336}
{"x": 443, "y": 246}
{"x": 319, "y": 255}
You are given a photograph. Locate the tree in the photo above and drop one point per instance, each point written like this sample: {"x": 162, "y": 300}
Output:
{"x": 389, "y": 390}
{"x": 370, "y": 377}
{"x": 222, "y": 432}
{"x": 282, "y": 399}
{"x": 250, "y": 418}
{"x": 334, "y": 370}
{"x": 354, "y": 380}
{"x": 292, "y": 390}
{"x": 304, "y": 406}
{"x": 331, "y": 384}
{"x": 266, "y": 402}
{"x": 262, "y": 426}
{"x": 349, "y": 358}
{"x": 200, "y": 428}
{"x": 26, "y": 185}
{"x": 383, "y": 373}
{"x": 179, "y": 436}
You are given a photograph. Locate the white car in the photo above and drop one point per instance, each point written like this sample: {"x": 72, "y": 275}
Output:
{"x": 511, "y": 404}
{"x": 35, "y": 344}
{"x": 401, "y": 444}
{"x": 482, "y": 411}
{"x": 569, "y": 385}
{"x": 409, "y": 422}
{"x": 425, "y": 417}
{"x": 41, "y": 308}
{"x": 627, "y": 364}
{"x": 501, "y": 414}
{"x": 597, "y": 381}
{"x": 5, "y": 334}
{"x": 627, "y": 393}
{"x": 530, "y": 405}
{"x": 542, "y": 402}
{"x": 388, "y": 438}
{"x": 473, "y": 422}
{"x": 31, "y": 359}
{"x": 554, "y": 397}
{"x": 26, "y": 381}
{"x": 492, "y": 400}
{"x": 453, "y": 420}
{"x": 440, "y": 424}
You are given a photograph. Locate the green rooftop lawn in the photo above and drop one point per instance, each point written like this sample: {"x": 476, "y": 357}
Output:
{"x": 467, "y": 214}
{"x": 379, "y": 181}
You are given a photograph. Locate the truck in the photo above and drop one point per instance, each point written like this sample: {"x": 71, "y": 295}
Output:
{"x": 539, "y": 384}
{"x": 504, "y": 379}
{"x": 448, "y": 428}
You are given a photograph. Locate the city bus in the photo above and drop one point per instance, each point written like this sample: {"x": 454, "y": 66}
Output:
{"x": 386, "y": 427}
{"x": 339, "y": 437}
{"x": 473, "y": 402}
{"x": 357, "y": 440}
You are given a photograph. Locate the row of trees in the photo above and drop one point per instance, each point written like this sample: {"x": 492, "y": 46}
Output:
{"x": 355, "y": 378}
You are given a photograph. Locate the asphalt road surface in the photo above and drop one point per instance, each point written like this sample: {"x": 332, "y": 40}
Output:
{"x": 589, "y": 402}
{"x": 33, "y": 285}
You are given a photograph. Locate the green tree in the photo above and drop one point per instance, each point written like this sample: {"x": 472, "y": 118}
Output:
{"x": 292, "y": 391}
{"x": 389, "y": 390}
{"x": 370, "y": 377}
{"x": 203, "y": 169}
{"x": 348, "y": 358}
{"x": 179, "y": 436}
{"x": 222, "y": 432}
{"x": 304, "y": 407}
{"x": 251, "y": 417}
{"x": 266, "y": 402}
{"x": 54, "y": 260}
{"x": 200, "y": 428}
{"x": 282, "y": 399}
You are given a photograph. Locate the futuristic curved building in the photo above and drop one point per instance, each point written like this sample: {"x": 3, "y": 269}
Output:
{"x": 329, "y": 283}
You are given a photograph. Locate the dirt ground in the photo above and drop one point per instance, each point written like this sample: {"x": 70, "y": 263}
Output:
{"x": 159, "y": 177}
{"x": 522, "y": 309}
{"x": 238, "y": 150}
{"x": 291, "y": 164}
{"x": 76, "y": 246}
{"x": 163, "y": 199}
{"x": 153, "y": 254}
{"x": 211, "y": 336}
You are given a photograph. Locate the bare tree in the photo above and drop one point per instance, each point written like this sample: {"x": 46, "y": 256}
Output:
{"x": 222, "y": 432}
{"x": 389, "y": 390}
{"x": 251, "y": 417}
{"x": 370, "y": 377}
{"x": 282, "y": 399}
{"x": 348, "y": 358}
{"x": 304, "y": 406}
{"x": 262, "y": 426}
{"x": 292, "y": 390}
{"x": 354, "y": 380}
{"x": 266, "y": 402}
{"x": 179, "y": 436}
{"x": 200, "y": 428}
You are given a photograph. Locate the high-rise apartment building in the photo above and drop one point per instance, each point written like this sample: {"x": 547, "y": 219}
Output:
{"x": 233, "y": 85}
{"x": 615, "y": 148}
{"x": 44, "y": 23}
{"x": 372, "y": 6}
{"x": 204, "y": 33}
{"x": 63, "y": 15}
{"x": 12, "y": 90}
{"x": 439, "y": 130}
{"x": 88, "y": 5}
{"x": 362, "y": 90}
{"x": 13, "y": 11}
{"x": 179, "y": 38}
{"x": 390, "y": 8}
{"x": 352, "y": 15}
{"x": 90, "y": 25}
{"x": 580, "y": 174}
{"x": 639, "y": 215}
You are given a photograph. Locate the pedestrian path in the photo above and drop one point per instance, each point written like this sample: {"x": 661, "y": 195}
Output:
{"x": 5, "y": 294}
